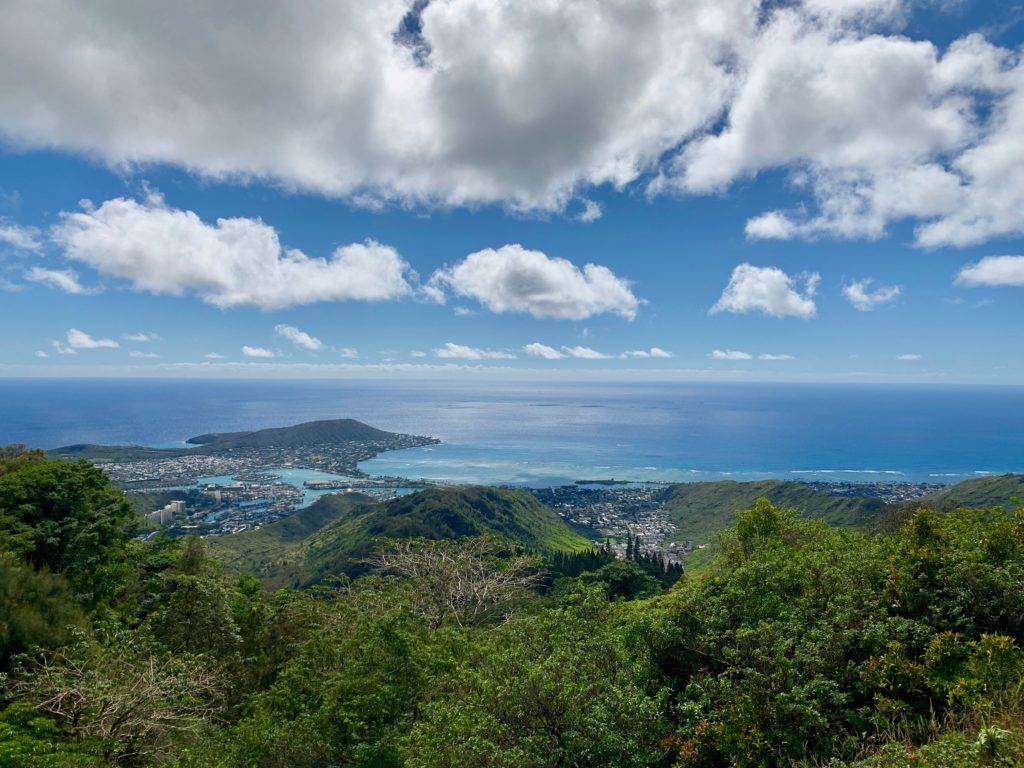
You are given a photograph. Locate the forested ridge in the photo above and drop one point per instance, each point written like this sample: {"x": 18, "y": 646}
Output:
{"x": 802, "y": 644}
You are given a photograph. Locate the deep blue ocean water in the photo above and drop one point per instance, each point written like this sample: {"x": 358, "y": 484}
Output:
{"x": 542, "y": 433}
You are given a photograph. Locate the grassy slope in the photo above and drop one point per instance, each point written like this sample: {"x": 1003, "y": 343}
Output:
{"x": 700, "y": 509}
{"x": 274, "y": 547}
{"x": 114, "y": 453}
{"x": 981, "y": 492}
{"x": 283, "y": 556}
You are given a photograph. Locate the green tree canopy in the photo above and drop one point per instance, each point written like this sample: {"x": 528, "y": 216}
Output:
{"x": 66, "y": 517}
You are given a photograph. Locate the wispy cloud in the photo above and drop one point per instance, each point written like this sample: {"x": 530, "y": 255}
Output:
{"x": 729, "y": 354}
{"x": 536, "y": 349}
{"x": 18, "y": 237}
{"x": 462, "y": 352}
{"x": 62, "y": 279}
{"x": 862, "y": 297}
{"x": 654, "y": 352}
{"x": 298, "y": 338}
{"x": 592, "y": 211}
{"x": 585, "y": 353}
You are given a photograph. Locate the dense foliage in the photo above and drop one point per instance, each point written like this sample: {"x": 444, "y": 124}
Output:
{"x": 801, "y": 644}
{"x": 699, "y": 510}
{"x": 64, "y": 517}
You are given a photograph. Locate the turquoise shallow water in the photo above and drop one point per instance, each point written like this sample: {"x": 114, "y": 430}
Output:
{"x": 543, "y": 433}
{"x": 288, "y": 475}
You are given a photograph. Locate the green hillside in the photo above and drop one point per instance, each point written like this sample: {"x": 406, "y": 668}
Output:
{"x": 272, "y": 548}
{"x": 114, "y": 453}
{"x": 980, "y": 493}
{"x": 335, "y": 534}
{"x": 700, "y": 509}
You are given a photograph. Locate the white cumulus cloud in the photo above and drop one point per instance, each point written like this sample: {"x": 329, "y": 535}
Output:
{"x": 349, "y": 352}
{"x": 768, "y": 290}
{"x": 908, "y": 357}
{"x": 774, "y": 225}
{"x": 213, "y": 356}
{"x": 235, "y": 262}
{"x": 256, "y": 351}
{"x": 860, "y": 294}
{"x": 479, "y": 105}
{"x": 143, "y": 355}
{"x": 482, "y": 105}
{"x": 543, "y": 350}
{"x": 142, "y": 337}
{"x": 770, "y": 357}
{"x": 298, "y": 338}
{"x": 514, "y": 279}
{"x": 77, "y": 339}
{"x": 874, "y": 127}
{"x": 994, "y": 271}
{"x": 462, "y": 352}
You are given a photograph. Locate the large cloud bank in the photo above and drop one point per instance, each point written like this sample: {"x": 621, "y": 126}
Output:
{"x": 529, "y": 104}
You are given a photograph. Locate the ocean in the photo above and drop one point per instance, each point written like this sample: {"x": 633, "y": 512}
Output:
{"x": 541, "y": 434}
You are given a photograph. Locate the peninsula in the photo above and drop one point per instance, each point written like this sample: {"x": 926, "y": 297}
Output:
{"x": 336, "y": 446}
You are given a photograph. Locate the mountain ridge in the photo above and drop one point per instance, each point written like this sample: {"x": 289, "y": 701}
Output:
{"x": 310, "y": 433}
{"x": 349, "y": 531}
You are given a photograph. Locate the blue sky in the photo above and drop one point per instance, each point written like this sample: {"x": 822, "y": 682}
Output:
{"x": 390, "y": 215}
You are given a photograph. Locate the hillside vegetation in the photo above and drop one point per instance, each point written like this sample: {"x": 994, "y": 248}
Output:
{"x": 999, "y": 491}
{"x": 803, "y": 644}
{"x": 336, "y": 533}
{"x": 271, "y": 552}
{"x": 700, "y": 509}
{"x": 114, "y": 453}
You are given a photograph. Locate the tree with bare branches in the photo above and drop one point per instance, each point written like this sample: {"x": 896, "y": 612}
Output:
{"x": 465, "y": 581}
{"x": 139, "y": 702}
